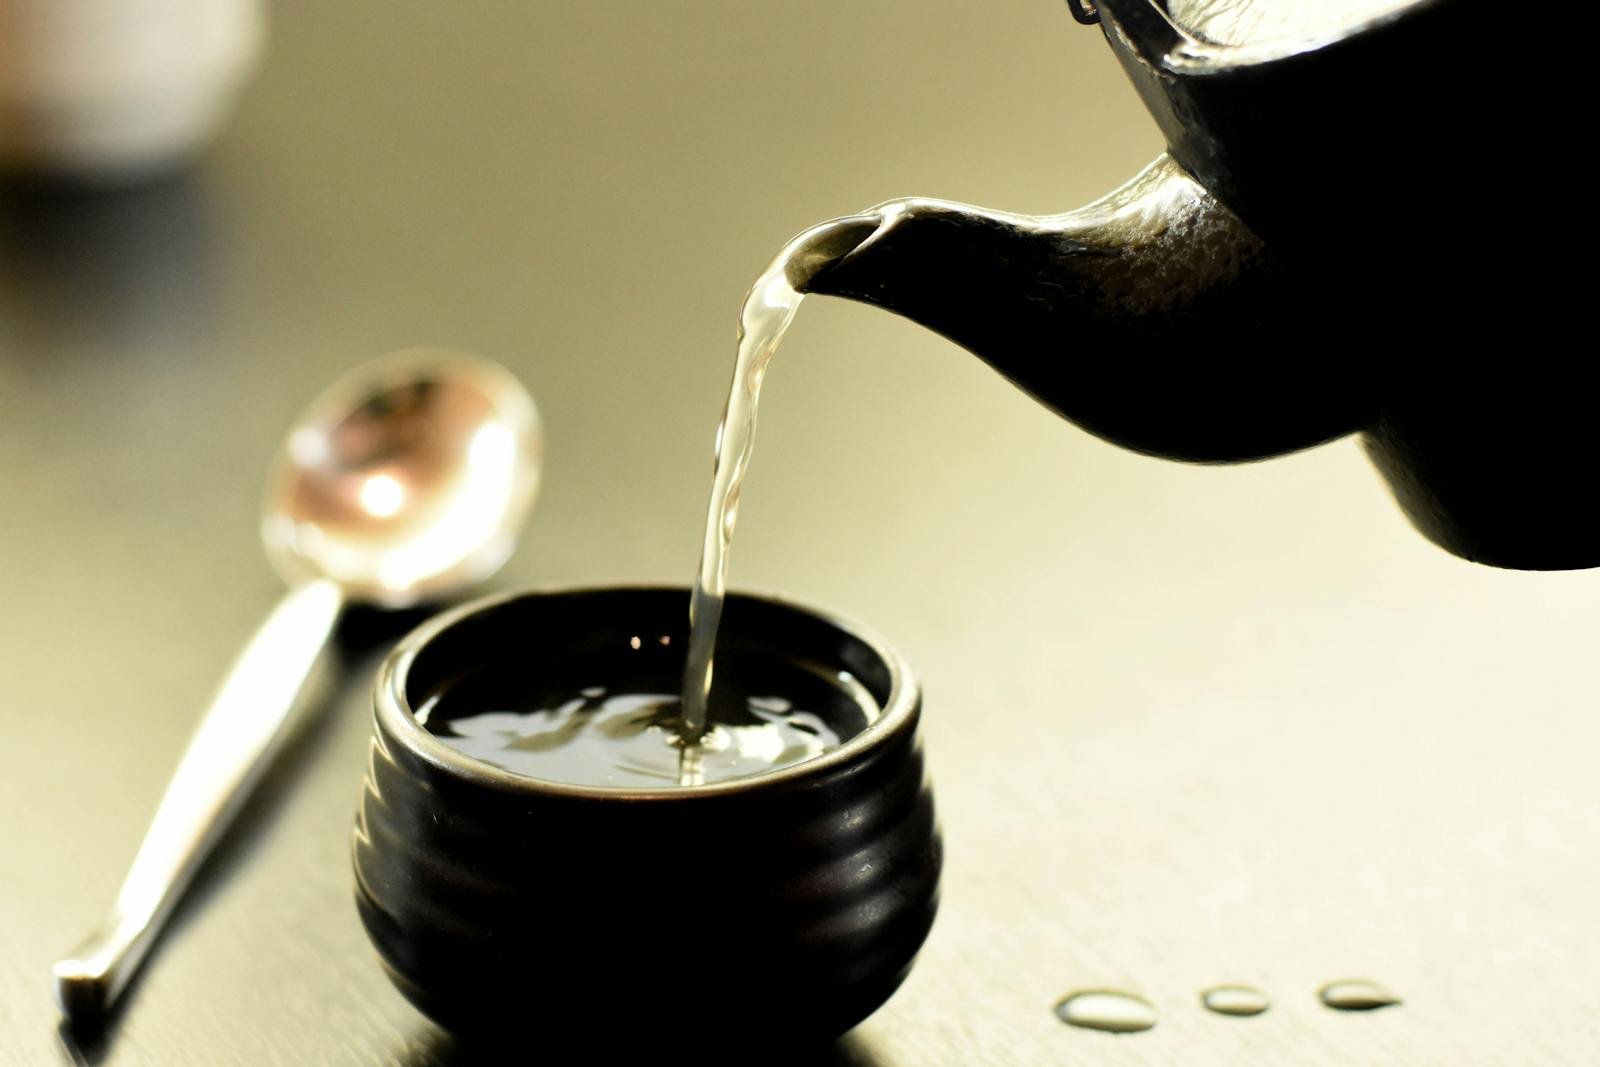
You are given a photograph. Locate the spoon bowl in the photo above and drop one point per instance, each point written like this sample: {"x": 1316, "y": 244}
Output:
{"x": 406, "y": 480}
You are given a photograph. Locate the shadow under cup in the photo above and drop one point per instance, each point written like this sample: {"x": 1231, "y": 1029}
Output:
{"x": 779, "y": 908}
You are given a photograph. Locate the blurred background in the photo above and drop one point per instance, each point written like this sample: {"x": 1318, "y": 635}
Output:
{"x": 1188, "y": 725}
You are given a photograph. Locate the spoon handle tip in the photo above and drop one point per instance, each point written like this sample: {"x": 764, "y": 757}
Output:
{"x": 83, "y": 990}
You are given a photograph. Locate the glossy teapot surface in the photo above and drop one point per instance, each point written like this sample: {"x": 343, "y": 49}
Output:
{"x": 1352, "y": 231}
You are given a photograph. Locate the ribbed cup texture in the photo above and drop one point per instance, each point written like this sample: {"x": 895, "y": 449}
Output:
{"x": 788, "y": 908}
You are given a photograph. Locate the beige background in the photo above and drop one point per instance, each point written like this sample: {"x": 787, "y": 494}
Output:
{"x": 1187, "y": 725}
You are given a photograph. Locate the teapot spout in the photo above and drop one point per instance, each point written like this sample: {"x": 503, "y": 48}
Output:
{"x": 1153, "y": 318}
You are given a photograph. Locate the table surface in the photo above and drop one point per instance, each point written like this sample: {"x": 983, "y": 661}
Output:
{"x": 1187, "y": 725}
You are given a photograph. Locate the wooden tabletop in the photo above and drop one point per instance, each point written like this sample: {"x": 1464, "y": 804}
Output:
{"x": 1187, "y": 725}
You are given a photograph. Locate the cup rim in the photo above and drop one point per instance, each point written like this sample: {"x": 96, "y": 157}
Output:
{"x": 396, "y": 718}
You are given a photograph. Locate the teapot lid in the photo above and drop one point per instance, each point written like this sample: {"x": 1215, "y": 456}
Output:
{"x": 1255, "y": 23}
{"x": 1198, "y": 36}
{"x": 1312, "y": 139}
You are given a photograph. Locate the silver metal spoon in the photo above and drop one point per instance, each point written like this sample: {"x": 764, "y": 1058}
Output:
{"x": 407, "y": 480}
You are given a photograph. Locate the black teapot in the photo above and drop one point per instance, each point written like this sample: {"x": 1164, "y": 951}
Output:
{"x": 1356, "y": 228}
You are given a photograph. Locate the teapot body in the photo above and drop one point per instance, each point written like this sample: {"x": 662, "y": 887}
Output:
{"x": 1356, "y": 233}
{"x": 1393, "y": 169}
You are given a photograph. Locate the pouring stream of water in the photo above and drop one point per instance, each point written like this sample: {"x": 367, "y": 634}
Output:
{"x": 768, "y": 309}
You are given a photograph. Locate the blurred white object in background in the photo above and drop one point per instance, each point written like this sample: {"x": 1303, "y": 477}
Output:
{"x": 113, "y": 90}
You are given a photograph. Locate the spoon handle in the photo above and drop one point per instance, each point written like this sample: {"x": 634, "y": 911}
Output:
{"x": 233, "y": 745}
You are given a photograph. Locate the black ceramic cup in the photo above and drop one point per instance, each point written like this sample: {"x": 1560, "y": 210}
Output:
{"x": 776, "y": 909}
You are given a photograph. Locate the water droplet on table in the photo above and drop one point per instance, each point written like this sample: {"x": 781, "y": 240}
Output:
{"x": 1108, "y": 1010}
{"x": 1240, "y": 1000}
{"x": 1354, "y": 994}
